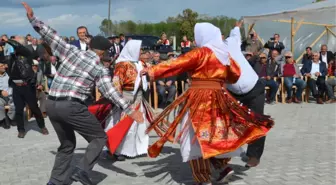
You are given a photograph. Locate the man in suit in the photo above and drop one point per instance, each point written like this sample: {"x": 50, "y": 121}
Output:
{"x": 82, "y": 42}
{"x": 316, "y": 72}
{"x": 325, "y": 55}
{"x": 275, "y": 43}
{"x": 122, "y": 40}
{"x": 307, "y": 56}
{"x": 116, "y": 48}
{"x": 36, "y": 49}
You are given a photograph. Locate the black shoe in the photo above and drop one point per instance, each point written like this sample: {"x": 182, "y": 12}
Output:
{"x": 81, "y": 176}
{"x": 7, "y": 123}
{"x": 21, "y": 134}
{"x": 50, "y": 183}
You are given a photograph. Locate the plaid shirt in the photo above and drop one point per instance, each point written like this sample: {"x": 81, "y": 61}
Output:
{"x": 79, "y": 71}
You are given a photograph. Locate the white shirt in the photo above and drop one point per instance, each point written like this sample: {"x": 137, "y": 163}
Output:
{"x": 117, "y": 48}
{"x": 34, "y": 47}
{"x": 324, "y": 59}
{"x": 82, "y": 45}
{"x": 53, "y": 69}
{"x": 248, "y": 77}
{"x": 315, "y": 68}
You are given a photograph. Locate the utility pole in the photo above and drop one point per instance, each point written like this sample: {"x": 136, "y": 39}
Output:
{"x": 109, "y": 19}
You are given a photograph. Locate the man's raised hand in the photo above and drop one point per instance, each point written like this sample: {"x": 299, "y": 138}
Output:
{"x": 240, "y": 23}
{"x": 29, "y": 10}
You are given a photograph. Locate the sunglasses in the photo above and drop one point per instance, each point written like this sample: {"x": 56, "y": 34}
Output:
{"x": 287, "y": 57}
{"x": 262, "y": 57}
{"x": 315, "y": 55}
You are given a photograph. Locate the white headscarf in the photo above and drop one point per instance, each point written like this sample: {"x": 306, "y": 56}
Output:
{"x": 131, "y": 53}
{"x": 208, "y": 35}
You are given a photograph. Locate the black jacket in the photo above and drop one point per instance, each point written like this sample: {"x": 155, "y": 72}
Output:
{"x": 25, "y": 56}
{"x": 271, "y": 46}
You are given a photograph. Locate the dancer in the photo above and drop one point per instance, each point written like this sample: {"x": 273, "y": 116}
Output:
{"x": 133, "y": 140}
{"x": 72, "y": 85}
{"x": 213, "y": 122}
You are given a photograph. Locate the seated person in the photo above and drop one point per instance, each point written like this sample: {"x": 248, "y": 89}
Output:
{"x": 316, "y": 72}
{"x": 267, "y": 71}
{"x": 331, "y": 82}
{"x": 163, "y": 85}
{"x": 6, "y": 99}
{"x": 292, "y": 76}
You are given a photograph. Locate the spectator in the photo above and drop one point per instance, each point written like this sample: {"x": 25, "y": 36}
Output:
{"x": 122, "y": 40}
{"x": 51, "y": 68}
{"x": 29, "y": 39}
{"x": 185, "y": 45}
{"x": 107, "y": 62}
{"x": 248, "y": 55}
{"x": 36, "y": 49}
{"x": 331, "y": 82}
{"x": 40, "y": 87}
{"x": 267, "y": 71}
{"x": 325, "y": 55}
{"x": 82, "y": 42}
{"x": 163, "y": 44}
{"x": 274, "y": 43}
{"x": 307, "y": 56}
{"x": 316, "y": 72}
{"x": 116, "y": 47}
{"x": 72, "y": 39}
{"x": 66, "y": 39}
{"x": 292, "y": 76}
{"x": 156, "y": 58}
{"x": 23, "y": 84}
{"x": 8, "y": 49}
{"x": 165, "y": 85}
{"x": 253, "y": 44}
{"x": 5, "y": 99}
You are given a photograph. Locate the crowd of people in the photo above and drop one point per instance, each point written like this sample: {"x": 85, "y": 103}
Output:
{"x": 273, "y": 63}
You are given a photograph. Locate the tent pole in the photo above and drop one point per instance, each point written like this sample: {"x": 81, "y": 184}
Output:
{"x": 333, "y": 33}
{"x": 292, "y": 35}
{"x": 250, "y": 28}
{"x": 313, "y": 43}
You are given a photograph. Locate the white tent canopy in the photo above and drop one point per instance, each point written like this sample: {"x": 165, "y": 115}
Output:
{"x": 319, "y": 13}
{"x": 310, "y": 25}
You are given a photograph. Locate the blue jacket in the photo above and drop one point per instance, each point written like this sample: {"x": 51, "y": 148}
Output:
{"x": 77, "y": 44}
{"x": 306, "y": 68}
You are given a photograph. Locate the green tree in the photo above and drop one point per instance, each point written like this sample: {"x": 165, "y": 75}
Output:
{"x": 187, "y": 21}
{"x": 182, "y": 24}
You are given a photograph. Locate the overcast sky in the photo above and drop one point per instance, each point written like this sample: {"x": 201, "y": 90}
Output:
{"x": 66, "y": 15}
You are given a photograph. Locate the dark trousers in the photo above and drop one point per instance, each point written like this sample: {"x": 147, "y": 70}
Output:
{"x": 21, "y": 96}
{"x": 66, "y": 118}
{"x": 318, "y": 86}
{"x": 273, "y": 87}
{"x": 255, "y": 100}
{"x": 165, "y": 99}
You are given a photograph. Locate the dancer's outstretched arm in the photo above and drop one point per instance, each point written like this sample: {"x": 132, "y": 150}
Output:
{"x": 57, "y": 45}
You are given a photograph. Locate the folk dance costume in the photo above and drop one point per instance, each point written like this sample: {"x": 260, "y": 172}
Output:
{"x": 213, "y": 123}
{"x": 125, "y": 136}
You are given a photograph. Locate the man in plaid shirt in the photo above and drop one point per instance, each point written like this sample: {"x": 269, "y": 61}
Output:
{"x": 72, "y": 85}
